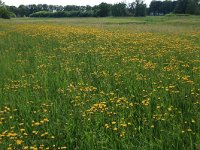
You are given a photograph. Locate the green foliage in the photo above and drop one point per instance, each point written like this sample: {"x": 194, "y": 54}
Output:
{"x": 71, "y": 8}
{"x": 181, "y": 7}
{"x": 12, "y": 15}
{"x": 193, "y": 7}
{"x": 23, "y": 11}
{"x": 61, "y": 14}
{"x": 89, "y": 13}
{"x": 140, "y": 9}
{"x": 136, "y": 8}
{"x": 104, "y": 10}
{"x": 4, "y": 13}
{"x": 41, "y": 14}
{"x": 131, "y": 8}
{"x": 119, "y": 9}
{"x": 155, "y": 7}
{"x": 188, "y": 7}
{"x": 161, "y": 7}
{"x": 14, "y": 10}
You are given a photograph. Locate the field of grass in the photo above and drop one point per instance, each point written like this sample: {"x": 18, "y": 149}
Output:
{"x": 100, "y": 83}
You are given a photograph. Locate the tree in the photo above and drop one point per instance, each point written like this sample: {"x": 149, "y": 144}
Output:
{"x": 188, "y": 7}
{"x": 32, "y": 9}
{"x": 167, "y": 7}
{"x": 181, "y": 6}
{"x": 51, "y": 8}
{"x": 119, "y": 9}
{"x": 71, "y": 8}
{"x": 45, "y": 7}
{"x": 140, "y": 9}
{"x": 155, "y": 7}
{"x": 23, "y": 11}
{"x": 161, "y": 7}
{"x": 193, "y": 7}
{"x": 131, "y": 8}
{"x": 104, "y": 10}
{"x": 59, "y": 8}
{"x": 14, "y": 10}
{"x": 4, "y": 13}
{"x": 95, "y": 10}
{"x": 88, "y": 8}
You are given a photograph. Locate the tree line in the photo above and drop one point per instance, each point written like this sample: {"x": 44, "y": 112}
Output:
{"x": 136, "y": 8}
{"x": 177, "y": 7}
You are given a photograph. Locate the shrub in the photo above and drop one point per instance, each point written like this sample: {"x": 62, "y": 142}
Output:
{"x": 12, "y": 15}
{"x": 73, "y": 13}
{"x": 4, "y": 13}
{"x": 41, "y": 14}
{"x": 86, "y": 14}
{"x": 58, "y": 14}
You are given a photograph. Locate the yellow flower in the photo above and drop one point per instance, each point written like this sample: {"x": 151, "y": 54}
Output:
{"x": 25, "y": 147}
{"x": 131, "y": 104}
{"x": 122, "y": 134}
{"x": 145, "y": 102}
{"x": 189, "y": 130}
{"x": 113, "y": 122}
{"x": 22, "y": 130}
{"x": 36, "y": 124}
{"x": 115, "y": 129}
{"x": 124, "y": 125}
{"x": 106, "y": 126}
{"x": 158, "y": 107}
{"x": 18, "y": 142}
{"x": 46, "y": 133}
{"x": 46, "y": 119}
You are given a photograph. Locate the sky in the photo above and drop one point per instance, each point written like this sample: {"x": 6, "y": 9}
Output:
{"x": 65, "y": 2}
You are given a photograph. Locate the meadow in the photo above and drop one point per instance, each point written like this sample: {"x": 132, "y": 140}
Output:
{"x": 100, "y": 83}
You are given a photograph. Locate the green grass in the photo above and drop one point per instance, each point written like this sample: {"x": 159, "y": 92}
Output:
{"x": 162, "y": 24}
{"x": 147, "y": 20}
{"x": 100, "y": 83}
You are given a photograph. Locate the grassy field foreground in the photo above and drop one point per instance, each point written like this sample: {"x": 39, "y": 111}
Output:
{"x": 100, "y": 84}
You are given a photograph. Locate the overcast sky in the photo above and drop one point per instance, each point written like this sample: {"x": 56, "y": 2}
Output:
{"x": 65, "y": 2}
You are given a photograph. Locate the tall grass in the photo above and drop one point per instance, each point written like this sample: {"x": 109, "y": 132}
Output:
{"x": 76, "y": 87}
